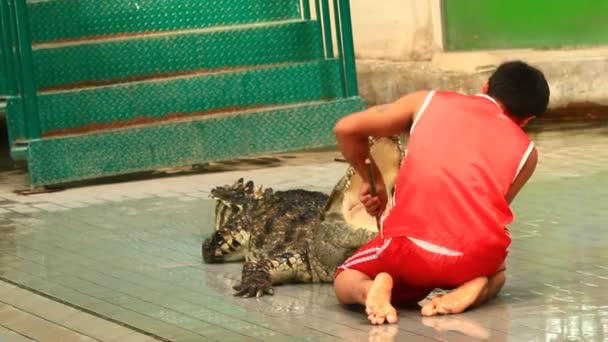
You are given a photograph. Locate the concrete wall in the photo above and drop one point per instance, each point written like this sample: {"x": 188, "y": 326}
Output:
{"x": 394, "y": 30}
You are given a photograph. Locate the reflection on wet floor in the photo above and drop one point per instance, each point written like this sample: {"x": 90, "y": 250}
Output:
{"x": 131, "y": 251}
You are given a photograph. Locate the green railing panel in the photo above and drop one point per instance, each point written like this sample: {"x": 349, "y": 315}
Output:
{"x": 72, "y": 158}
{"x": 498, "y": 24}
{"x": 261, "y": 86}
{"x": 75, "y": 19}
{"x": 176, "y": 53}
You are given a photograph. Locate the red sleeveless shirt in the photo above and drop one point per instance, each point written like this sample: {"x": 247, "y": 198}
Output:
{"x": 462, "y": 156}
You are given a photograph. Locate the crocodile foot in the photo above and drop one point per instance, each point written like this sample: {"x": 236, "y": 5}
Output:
{"x": 255, "y": 281}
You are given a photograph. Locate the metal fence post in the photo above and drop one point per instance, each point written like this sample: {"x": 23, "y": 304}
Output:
{"x": 305, "y": 9}
{"x": 24, "y": 68}
{"x": 348, "y": 51}
{"x": 325, "y": 18}
{"x": 6, "y": 48}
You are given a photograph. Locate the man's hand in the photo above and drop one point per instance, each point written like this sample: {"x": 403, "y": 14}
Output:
{"x": 374, "y": 205}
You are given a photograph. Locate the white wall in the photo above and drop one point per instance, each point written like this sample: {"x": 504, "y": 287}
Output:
{"x": 395, "y": 30}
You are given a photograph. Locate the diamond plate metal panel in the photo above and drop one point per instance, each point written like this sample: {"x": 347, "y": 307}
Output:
{"x": 176, "y": 53}
{"x": 78, "y": 157}
{"x": 72, "y": 19}
{"x": 261, "y": 86}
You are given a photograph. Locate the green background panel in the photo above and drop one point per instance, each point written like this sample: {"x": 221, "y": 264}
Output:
{"x": 177, "y": 52}
{"x": 72, "y": 158}
{"x": 483, "y": 24}
{"x": 263, "y": 86}
{"x": 71, "y": 19}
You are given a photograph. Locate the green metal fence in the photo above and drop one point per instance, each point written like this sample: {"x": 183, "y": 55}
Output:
{"x": 276, "y": 54}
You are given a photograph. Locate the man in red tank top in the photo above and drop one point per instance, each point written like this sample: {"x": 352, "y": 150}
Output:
{"x": 446, "y": 225}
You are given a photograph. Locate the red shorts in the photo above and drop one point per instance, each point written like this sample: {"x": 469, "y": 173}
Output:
{"x": 415, "y": 270}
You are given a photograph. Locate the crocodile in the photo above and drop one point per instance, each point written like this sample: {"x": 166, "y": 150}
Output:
{"x": 295, "y": 236}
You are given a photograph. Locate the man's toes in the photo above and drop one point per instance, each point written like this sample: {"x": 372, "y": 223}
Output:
{"x": 428, "y": 309}
{"x": 373, "y": 318}
{"x": 391, "y": 318}
{"x": 379, "y": 320}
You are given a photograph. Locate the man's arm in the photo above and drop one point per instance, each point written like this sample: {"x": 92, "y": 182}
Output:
{"x": 353, "y": 131}
{"x": 523, "y": 177}
{"x": 352, "y": 134}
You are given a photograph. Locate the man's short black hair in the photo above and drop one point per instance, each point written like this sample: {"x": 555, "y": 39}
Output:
{"x": 521, "y": 88}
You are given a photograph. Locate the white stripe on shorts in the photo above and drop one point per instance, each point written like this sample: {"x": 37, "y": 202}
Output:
{"x": 366, "y": 255}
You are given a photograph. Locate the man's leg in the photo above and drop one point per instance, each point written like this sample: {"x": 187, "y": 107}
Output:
{"x": 354, "y": 287}
{"x": 472, "y": 293}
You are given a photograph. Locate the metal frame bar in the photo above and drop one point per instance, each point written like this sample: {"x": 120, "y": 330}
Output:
{"x": 346, "y": 44}
{"x": 24, "y": 68}
{"x": 324, "y": 17}
{"x": 344, "y": 40}
{"x": 305, "y": 5}
{"x": 6, "y": 48}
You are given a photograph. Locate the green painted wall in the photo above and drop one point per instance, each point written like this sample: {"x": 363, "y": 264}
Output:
{"x": 498, "y": 24}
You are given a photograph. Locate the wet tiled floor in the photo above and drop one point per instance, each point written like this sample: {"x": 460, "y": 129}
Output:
{"x": 130, "y": 252}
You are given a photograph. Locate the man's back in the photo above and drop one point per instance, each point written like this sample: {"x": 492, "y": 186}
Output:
{"x": 463, "y": 154}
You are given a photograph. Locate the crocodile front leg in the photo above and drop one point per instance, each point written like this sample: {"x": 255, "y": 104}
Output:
{"x": 258, "y": 277}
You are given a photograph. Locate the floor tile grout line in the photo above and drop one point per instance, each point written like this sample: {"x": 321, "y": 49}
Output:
{"x": 47, "y": 320}
{"x": 18, "y": 333}
{"x": 85, "y": 310}
{"x": 100, "y": 300}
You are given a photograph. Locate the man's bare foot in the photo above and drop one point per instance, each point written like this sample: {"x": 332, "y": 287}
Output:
{"x": 378, "y": 302}
{"x": 458, "y": 300}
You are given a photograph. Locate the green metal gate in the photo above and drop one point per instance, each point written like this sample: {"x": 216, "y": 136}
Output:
{"x": 99, "y": 88}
